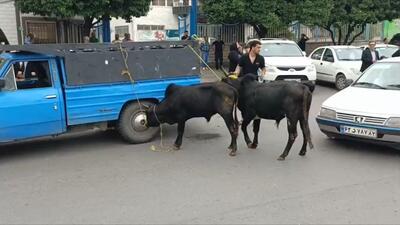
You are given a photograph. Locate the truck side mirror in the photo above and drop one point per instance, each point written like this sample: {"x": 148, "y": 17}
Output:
{"x": 2, "y": 83}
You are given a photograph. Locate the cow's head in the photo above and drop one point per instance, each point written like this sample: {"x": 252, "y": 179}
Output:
{"x": 152, "y": 117}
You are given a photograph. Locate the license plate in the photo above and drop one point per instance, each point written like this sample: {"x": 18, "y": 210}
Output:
{"x": 358, "y": 131}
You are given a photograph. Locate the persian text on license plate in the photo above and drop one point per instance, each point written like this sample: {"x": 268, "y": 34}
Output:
{"x": 359, "y": 131}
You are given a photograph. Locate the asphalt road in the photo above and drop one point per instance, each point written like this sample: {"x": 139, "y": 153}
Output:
{"x": 96, "y": 178}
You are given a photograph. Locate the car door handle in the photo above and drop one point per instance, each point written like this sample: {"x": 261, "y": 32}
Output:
{"x": 50, "y": 97}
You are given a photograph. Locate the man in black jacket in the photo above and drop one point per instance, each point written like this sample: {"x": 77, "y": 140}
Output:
{"x": 369, "y": 56}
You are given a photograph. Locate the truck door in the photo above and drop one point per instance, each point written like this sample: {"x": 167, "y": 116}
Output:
{"x": 30, "y": 102}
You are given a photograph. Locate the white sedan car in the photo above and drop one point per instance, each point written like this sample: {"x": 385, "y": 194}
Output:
{"x": 367, "y": 110}
{"x": 335, "y": 64}
{"x": 284, "y": 60}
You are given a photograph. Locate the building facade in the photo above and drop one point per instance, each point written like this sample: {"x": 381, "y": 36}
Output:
{"x": 17, "y": 25}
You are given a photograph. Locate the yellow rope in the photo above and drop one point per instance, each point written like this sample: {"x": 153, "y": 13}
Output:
{"x": 126, "y": 72}
{"x": 194, "y": 51}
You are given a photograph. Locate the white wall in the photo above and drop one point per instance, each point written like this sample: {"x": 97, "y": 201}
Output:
{"x": 8, "y": 22}
{"x": 158, "y": 15}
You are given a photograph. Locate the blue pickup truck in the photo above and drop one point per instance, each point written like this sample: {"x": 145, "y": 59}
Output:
{"x": 48, "y": 90}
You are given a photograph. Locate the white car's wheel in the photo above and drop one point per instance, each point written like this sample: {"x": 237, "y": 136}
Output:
{"x": 340, "y": 82}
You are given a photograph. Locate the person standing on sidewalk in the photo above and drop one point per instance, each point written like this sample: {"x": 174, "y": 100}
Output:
{"x": 205, "y": 50}
{"x": 219, "y": 52}
{"x": 302, "y": 42}
{"x": 369, "y": 56}
{"x": 252, "y": 62}
{"x": 234, "y": 57}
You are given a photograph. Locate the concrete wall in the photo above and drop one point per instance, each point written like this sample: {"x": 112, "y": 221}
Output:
{"x": 8, "y": 22}
{"x": 158, "y": 15}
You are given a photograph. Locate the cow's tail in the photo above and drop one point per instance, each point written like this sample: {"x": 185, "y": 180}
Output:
{"x": 307, "y": 98}
{"x": 235, "y": 107}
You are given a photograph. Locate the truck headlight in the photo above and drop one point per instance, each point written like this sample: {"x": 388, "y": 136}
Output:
{"x": 393, "y": 122}
{"x": 327, "y": 113}
{"x": 311, "y": 68}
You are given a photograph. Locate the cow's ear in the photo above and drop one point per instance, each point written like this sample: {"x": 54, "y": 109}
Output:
{"x": 170, "y": 89}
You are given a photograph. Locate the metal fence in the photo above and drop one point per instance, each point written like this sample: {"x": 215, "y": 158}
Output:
{"x": 228, "y": 33}
{"x": 243, "y": 32}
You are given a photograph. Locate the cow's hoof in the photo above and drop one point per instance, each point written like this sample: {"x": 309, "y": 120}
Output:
{"x": 252, "y": 146}
{"x": 302, "y": 153}
{"x": 232, "y": 153}
{"x": 176, "y": 147}
{"x": 281, "y": 158}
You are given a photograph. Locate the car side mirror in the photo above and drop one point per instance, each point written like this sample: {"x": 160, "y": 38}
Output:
{"x": 349, "y": 82}
{"x": 304, "y": 53}
{"x": 2, "y": 83}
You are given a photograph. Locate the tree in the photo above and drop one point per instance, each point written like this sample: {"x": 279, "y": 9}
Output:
{"x": 261, "y": 14}
{"x": 345, "y": 20}
{"x": 90, "y": 10}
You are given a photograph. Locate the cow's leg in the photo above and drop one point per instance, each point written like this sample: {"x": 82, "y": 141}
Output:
{"x": 303, "y": 150}
{"x": 256, "y": 129}
{"x": 292, "y": 129}
{"x": 230, "y": 124}
{"x": 178, "y": 141}
{"x": 246, "y": 121}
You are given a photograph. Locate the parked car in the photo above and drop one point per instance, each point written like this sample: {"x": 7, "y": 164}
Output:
{"x": 335, "y": 64}
{"x": 48, "y": 90}
{"x": 285, "y": 61}
{"x": 368, "y": 109}
{"x": 385, "y": 50}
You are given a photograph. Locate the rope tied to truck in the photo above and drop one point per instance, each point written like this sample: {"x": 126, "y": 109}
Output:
{"x": 125, "y": 72}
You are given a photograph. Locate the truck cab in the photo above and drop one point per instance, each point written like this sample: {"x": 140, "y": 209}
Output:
{"x": 31, "y": 97}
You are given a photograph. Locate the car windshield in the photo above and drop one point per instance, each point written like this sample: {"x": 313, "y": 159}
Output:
{"x": 381, "y": 76}
{"x": 387, "y": 51}
{"x": 280, "y": 50}
{"x": 349, "y": 54}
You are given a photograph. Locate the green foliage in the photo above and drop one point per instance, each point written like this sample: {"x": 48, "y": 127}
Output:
{"x": 348, "y": 18}
{"x": 261, "y": 14}
{"x": 89, "y": 9}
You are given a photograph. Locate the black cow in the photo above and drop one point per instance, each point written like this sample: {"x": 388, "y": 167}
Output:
{"x": 203, "y": 100}
{"x": 274, "y": 101}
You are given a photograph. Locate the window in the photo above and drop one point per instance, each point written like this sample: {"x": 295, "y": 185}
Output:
{"x": 381, "y": 76}
{"x": 349, "y": 54}
{"x": 121, "y": 30}
{"x": 158, "y": 2}
{"x": 44, "y": 31}
{"x": 32, "y": 74}
{"x": 328, "y": 56}
{"x": 150, "y": 27}
{"x": 10, "y": 81}
{"x": 170, "y": 2}
{"x": 280, "y": 50}
{"x": 318, "y": 54}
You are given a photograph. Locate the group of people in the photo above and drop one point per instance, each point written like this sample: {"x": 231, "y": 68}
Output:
{"x": 94, "y": 39}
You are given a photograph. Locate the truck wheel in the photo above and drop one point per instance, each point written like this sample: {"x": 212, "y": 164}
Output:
{"x": 132, "y": 125}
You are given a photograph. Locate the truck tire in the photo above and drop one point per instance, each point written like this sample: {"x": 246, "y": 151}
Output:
{"x": 132, "y": 127}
